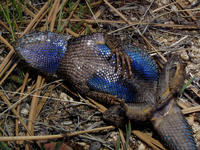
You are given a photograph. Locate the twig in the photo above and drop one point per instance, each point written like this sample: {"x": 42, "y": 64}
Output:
{"x": 156, "y": 145}
{"x": 28, "y": 28}
{"x": 45, "y": 137}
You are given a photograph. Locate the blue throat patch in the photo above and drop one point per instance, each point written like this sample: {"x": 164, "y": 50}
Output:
{"x": 43, "y": 50}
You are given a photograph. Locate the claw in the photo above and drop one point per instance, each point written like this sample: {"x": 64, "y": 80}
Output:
{"x": 117, "y": 60}
{"x": 125, "y": 61}
{"x": 116, "y": 49}
{"x": 123, "y": 64}
{"x": 128, "y": 61}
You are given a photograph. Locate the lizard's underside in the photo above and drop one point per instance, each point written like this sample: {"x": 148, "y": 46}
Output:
{"x": 86, "y": 63}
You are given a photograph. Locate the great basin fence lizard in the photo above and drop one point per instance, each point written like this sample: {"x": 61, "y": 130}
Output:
{"x": 89, "y": 64}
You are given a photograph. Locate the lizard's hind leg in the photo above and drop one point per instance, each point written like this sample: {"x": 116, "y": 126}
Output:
{"x": 115, "y": 115}
{"x": 104, "y": 97}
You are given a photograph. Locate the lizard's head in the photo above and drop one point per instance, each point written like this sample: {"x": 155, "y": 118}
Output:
{"x": 171, "y": 77}
{"x": 42, "y": 50}
{"x": 176, "y": 73}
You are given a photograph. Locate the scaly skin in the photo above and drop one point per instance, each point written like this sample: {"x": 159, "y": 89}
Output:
{"x": 88, "y": 67}
{"x": 173, "y": 128}
{"x": 87, "y": 64}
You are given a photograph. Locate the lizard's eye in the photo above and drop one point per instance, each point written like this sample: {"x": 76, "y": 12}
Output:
{"x": 174, "y": 67}
{"x": 173, "y": 70}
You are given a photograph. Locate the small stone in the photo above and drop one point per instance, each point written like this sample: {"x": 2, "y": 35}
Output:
{"x": 198, "y": 136}
{"x": 65, "y": 97}
{"x": 24, "y": 111}
{"x": 113, "y": 136}
{"x": 66, "y": 123}
{"x": 83, "y": 144}
{"x": 194, "y": 55}
{"x": 95, "y": 146}
{"x": 185, "y": 56}
{"x": 141, "y": 147}
{"x": 193, "y": 69}
{"x": 196, "y": 128}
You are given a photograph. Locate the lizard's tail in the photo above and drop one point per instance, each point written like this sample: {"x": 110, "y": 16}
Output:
{"x": 173, "y": 128}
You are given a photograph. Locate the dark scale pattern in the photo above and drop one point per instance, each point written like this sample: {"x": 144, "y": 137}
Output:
{"x": 175, "y": 130}
{"x": 42, "y": 50}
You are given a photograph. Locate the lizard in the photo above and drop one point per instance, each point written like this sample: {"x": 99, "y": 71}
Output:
{"x": 88, "y": 64}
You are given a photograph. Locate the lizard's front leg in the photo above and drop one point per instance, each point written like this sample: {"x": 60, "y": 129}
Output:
{"x": 119, "y": 52}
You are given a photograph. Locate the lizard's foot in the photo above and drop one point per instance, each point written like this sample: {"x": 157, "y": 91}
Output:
{"x": 115, "y": 115}
{"x": 125, "y": 60}
{"x": 116, "y": 48}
